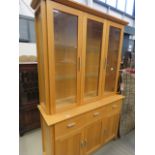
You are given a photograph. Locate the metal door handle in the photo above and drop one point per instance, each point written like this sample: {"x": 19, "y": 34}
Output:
{"x": 79, "y": 64}
{"x": 96, "y": 114}
{"x": 105, "y": 63}
{"x": 71, "y": 125}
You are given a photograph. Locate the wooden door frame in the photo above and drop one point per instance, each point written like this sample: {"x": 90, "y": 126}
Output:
{"x": 50, "y": 29}
{"x": 121, "y": 27}
{"x": 87, "y": 16}
{"x": 66, "y": 136}
{"x": 41, "y": 11}
{"x": 85, "y": 136}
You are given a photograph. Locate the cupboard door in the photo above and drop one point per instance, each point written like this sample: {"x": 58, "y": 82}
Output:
{"x": 110, "y": 127}
{"x": 70, "y": 145}
{"x": 92, "y": 57}
{"x": 113, "y": 58}
{"x": 92, "y": 136}
{"x": 65, "y": 41}
{"x": 64, "y": 60}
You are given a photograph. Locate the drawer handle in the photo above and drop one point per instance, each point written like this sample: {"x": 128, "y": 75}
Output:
{"x": 71, "y": 125}
{"x": 114, "y": 106}
{"x": 96, "y": 114}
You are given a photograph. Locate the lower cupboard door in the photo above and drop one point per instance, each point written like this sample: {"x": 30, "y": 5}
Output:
{"x": 110, "y": 127}
{"x": 70, "y": 145}
{"x": 93, "y": 136}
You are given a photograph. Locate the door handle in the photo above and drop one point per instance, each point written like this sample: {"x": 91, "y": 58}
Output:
{"x": 96, "y": 114}
{"x": 79, "y": 64}
{"x": 71, "y": 125}
{"x": 105, "y": 63}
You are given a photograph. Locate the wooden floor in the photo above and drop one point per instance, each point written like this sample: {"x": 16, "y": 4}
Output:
{"x": 30, "y": 144}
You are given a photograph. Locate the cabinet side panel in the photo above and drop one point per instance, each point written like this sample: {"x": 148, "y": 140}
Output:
{"x": 39, "y": 58}
{"x": 45, "y": 56}
{"x": 47, "y": 138}
{"x": 42, "y": 54}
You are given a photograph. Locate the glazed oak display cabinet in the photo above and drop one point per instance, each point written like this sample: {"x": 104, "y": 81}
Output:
{"x": 79, "y": 52}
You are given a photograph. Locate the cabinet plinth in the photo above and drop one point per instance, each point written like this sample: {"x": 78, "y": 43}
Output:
{"x": 79, "y": 52}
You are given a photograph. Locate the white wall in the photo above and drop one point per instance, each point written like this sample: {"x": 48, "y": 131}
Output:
{"x": 27, "y": 49}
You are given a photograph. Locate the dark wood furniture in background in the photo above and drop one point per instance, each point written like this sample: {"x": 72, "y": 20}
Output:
{"x": 28, "y": 97}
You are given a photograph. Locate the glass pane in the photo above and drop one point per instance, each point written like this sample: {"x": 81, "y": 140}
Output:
{"x": 93, "y": 51}
{"x": 129, "y": 6}
{"x": 121, "y": 5}
{"x": 112, "y": 59}
{"x": 111, "y": 2}
{"x": 65, "y": 41}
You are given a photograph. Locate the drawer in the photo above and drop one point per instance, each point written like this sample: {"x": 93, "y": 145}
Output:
{"x": 69, "y": 125}
{"x": 114, "y": 107}
{"x": 96, "y": 114}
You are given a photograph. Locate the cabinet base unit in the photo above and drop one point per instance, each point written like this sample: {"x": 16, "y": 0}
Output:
{"x": 79, "y": 56}
{"x": 82, "y": 130}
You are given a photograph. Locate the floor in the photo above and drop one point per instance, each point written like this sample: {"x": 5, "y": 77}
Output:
{"x": 30, "y": 144}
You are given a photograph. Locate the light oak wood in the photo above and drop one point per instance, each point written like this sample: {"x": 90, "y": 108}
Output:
{"x": 51, "y": 7}
{"x": 114, "y": 107}
{"x": 70, "y": 145}
{"x": 84, "y": 8}
{"x": 110, "y": 127}
{"x": 58, "y": 117}
{"x": 83, "y": 133}
{"x": 112, "y": 58}
{"x": 70, "y": 125}
{"x": 92, "y": 137}
{"x": 49, "y": 142}
{"x": 78, "y": 115}
{"x": 92, "y": 91}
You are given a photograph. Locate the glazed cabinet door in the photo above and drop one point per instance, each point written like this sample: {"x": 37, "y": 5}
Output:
{"x": 110, "y": 127}
{"x": 113, "y": 56}
{"x": 92, "y": 138}
{"x": 70, "y": 145}
{"x": 64, "y": 56}
{"x": 92, "y": 56}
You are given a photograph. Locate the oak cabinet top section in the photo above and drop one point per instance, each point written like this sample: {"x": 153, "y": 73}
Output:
{"x": 84, "y": 8}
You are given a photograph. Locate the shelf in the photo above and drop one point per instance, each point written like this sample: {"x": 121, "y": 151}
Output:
{"x": 90, "y": 95}
{"x": 65, "y": 101}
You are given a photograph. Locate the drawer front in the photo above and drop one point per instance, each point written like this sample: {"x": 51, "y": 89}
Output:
{"x": 114, "y": 107}
{"x": 96, "y": 114}
{"x": 69, "y": 125}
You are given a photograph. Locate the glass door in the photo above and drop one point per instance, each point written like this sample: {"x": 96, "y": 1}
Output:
{"x": 93, "y": 53}
{"x": 115, "y": 35}
{"x": 66, "y": 55}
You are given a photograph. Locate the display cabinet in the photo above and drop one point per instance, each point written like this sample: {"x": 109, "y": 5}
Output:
{"x": 79, "y": 52}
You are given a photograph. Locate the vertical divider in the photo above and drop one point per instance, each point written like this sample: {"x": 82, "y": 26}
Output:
{"x": 83, "y": 56}
{"x": 106, "y": 41}
{"x": 119, "y": 58}
{"x": 79, "y": 57}
{"x": 45, "y": 51}
{"x": 51, "y": 61}
{"x": 103, "y": 58}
